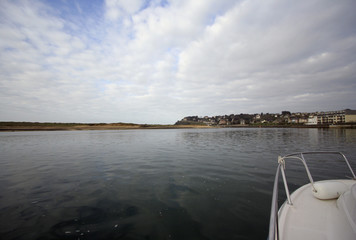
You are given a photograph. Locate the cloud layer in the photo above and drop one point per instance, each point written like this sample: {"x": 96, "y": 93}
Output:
{"x": 158, "y": 61}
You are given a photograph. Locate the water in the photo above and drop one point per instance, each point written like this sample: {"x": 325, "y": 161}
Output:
{"x": 149, "y": 184}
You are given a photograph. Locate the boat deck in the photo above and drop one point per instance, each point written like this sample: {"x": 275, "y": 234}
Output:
{"x": 312, "y": 218}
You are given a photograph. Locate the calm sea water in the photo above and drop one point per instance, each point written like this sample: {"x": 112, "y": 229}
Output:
{"x": 149, "y": 184}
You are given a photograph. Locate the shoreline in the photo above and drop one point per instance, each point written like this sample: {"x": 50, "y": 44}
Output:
{"x": 30, "y": 126}
{"x": 83, "y": 127}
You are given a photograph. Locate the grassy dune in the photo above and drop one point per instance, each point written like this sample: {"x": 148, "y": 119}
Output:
{"x": 37, "y": 126}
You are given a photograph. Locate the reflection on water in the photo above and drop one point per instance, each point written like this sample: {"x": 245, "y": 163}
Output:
{"x": 150, "y": 184}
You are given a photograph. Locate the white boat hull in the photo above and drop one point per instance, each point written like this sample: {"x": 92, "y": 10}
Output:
{"x": 312, "y": 218}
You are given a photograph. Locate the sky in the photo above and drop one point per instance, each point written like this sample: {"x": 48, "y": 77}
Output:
{"x": 157, "y": 61}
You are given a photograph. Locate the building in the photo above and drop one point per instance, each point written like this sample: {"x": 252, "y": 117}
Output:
{"x": 350, "y": 116}
{"x": 312, "y": 120}
{"x": 347, "y": 117}
{"x": 337, "y": 117}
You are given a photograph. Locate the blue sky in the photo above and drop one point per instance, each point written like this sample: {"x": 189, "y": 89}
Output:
{"x": 157, "y": 61}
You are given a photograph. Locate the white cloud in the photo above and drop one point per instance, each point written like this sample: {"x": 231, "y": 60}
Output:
{"x": 116, "y": 9}
{"x": 268, "y": 50}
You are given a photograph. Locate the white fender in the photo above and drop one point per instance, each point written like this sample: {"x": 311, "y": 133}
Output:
{"x": 326, "y": 190}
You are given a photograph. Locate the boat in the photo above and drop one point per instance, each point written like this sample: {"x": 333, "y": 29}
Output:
{"x": 318, "y": 210}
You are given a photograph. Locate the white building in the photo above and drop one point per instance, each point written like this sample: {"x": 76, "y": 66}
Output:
{"x": 350, "y": 116}
{"x": 337, "y": 117}
{"x": 312, "y": 120}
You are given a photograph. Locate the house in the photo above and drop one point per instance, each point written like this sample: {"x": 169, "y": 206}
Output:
{"x": 222, "y": 122}
{"x": 312, "y": 120}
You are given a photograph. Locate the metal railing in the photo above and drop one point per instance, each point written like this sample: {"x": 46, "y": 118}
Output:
{"x": 273, "y": 224}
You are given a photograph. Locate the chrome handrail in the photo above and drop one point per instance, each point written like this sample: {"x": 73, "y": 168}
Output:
{"x": 273, "y": 224}
{"x": 273, "y": 221}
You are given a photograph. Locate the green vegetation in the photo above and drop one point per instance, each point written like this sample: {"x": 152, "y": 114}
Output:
{"x": 48, "y": 126}
{"x": 190, "y": 123}
{"x": 35, "y": 124}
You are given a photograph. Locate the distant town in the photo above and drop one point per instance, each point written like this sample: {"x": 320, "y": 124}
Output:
{"x": 341, "y": 117}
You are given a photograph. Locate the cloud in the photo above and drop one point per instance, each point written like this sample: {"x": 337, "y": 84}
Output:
{"x": 116, "y": 9}
{"x": 158, "y": 61}
{"x": 266, "y": 54}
